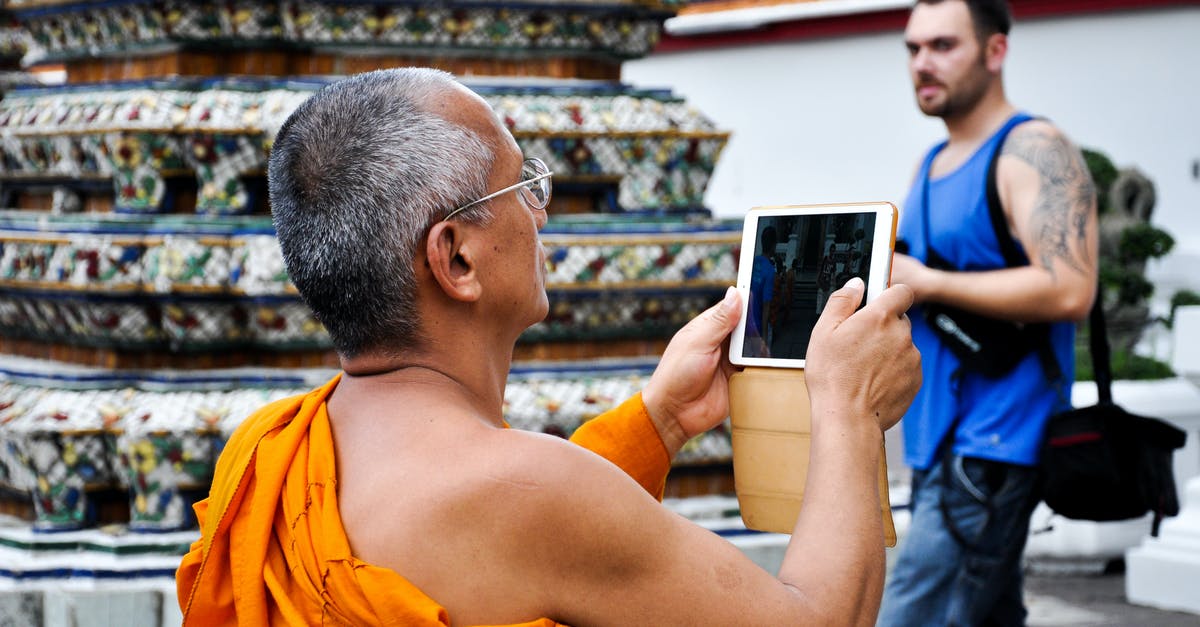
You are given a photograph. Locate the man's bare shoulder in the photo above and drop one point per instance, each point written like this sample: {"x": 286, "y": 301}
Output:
{"x": 540, "y": 471}
{"x": 503, "y": 517}
{"x": 1042, "y": 146}
{"x": 1036, "y": 126}
{"x": 1050, "y": 199}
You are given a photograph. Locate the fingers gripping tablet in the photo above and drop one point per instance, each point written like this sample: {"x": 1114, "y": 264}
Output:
{"x": 792, "y": 259}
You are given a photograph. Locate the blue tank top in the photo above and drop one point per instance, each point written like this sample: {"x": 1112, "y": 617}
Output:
{"x": 999, "y": 419}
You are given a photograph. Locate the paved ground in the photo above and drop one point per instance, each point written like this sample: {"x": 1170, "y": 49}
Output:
{"x": 1060, "y": 593}
{"x": 1092, "y": 599}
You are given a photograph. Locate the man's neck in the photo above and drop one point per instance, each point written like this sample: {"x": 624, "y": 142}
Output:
{"x": 973, "y": 127}
{"x": 458, "y": 375}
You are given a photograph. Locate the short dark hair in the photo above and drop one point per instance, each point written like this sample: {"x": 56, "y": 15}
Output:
{"x": 988, "y": 16}
{"x": 356, "y": 176}
{"x": 769, "y": 236}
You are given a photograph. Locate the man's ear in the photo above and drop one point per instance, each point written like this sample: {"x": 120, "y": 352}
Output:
{"x": 449, "y": 253}
{"x": 996, "y": 51}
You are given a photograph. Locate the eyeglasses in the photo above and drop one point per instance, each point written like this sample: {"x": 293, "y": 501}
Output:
{"x": 535, "y": 187}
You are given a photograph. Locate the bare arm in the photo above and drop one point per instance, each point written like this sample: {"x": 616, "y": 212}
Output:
{"x": 591, "y": 547}
{"x": 631, "y": 438}
{"x": 836, "y": 546}
{"x": 1050, "y": 202}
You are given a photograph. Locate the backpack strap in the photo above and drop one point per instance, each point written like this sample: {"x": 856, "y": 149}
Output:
{"x": 1008, "y": 247}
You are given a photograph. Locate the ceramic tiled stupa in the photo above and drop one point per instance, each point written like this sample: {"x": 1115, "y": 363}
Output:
{"x": 144, "y": 308}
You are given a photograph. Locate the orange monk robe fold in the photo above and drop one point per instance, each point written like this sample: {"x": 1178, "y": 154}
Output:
{"x": 272, "y": 548}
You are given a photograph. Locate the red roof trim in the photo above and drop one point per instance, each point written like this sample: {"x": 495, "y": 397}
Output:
{"x": 860, "y": 23}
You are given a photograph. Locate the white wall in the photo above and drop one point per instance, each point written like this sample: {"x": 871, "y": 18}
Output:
{"x": 834, "y": 119}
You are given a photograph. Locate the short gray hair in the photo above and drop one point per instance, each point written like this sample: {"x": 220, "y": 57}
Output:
{"x": 357, "y": 175}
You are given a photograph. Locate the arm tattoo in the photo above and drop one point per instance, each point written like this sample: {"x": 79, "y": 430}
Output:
{"x": 1065, "y": 197}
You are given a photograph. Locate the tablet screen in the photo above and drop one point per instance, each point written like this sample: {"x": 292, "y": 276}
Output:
{"x": 799, "y": 260}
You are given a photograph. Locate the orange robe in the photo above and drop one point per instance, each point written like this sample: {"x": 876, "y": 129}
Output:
{"x": 273, "y": 550}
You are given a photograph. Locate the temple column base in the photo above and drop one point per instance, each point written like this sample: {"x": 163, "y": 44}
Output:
{"x": 1163, "y": 571}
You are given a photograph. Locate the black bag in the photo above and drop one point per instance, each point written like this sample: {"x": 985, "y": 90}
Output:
{"x": 988, "y": 346}
{"x": 985, "y": 345}
{"x": 1103, "y": 463}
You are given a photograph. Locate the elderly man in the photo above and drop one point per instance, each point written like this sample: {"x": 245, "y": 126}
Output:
{"x": 395, "y": 494}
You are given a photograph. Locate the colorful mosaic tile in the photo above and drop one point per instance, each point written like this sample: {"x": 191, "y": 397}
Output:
{"x": 576, "y": 316}
{"x": 182, "y": 263}
{"x": 137, "y": 288}
{"x": 141, "y": 162}
{"x": 285, "y": 323}
{"x": 220, "y": 161}
{"x": 15, "y": 472}
{"x": 64, "y": 432}
{"x": 258, "y": 267}
{"x": 190, "y": 324}
{"x": 245, "y": 105}
{"x": 63, "y": 466}
{"x": 177, "y": 291}
{"x": 14, "y": 42}
{"x": 660, "y": 151}
{"x": 227, "y": 262}
{"x": 651, "y": 261}
{"x": 558, "y": 404}
{"x": 199, "y": 323}
{"x": 150, "y": 281}
{"x": 330, "y": 23}
{"x": 167, "y": 324}
{"x": 622, "y": 29}
{"x": 159, "y": 468}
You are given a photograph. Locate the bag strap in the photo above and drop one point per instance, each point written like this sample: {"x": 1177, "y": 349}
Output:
{"x": 925, "y": 167}
{"x": 1098, "y": 343}
{"x": 1008, "y": 247}
{"x": 1097, "y": 346}
{"x": 1097, "y": 328}
{"x": 1012, "y": 257}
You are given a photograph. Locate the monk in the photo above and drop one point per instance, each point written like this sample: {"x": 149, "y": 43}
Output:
{"x": 395, "y": 494}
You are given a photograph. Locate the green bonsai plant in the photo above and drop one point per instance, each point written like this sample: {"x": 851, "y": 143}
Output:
{"x": 1127, "y": 241}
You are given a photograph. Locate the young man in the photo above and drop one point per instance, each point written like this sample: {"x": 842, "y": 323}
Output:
{"x": 395, "y": 494}
{"x": 973, "y": 441}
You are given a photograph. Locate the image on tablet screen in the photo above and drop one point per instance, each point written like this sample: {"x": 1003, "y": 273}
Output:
{"x": 799, "y": 260}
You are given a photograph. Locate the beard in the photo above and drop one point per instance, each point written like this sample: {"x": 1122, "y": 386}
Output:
{"x": 959, "y": 99}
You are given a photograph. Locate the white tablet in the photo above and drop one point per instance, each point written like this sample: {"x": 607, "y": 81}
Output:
{"x": 792, "y": 259}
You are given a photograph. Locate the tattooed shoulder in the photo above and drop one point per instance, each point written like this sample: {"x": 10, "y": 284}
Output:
{"x": 1065, "y": 198}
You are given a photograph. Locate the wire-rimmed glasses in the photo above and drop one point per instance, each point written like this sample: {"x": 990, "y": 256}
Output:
{"x": 535, "y": 187}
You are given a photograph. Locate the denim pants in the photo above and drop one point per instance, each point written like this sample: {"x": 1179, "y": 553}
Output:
{"x": 974, "y": 578}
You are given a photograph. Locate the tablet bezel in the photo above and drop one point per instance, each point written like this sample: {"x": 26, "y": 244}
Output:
{"x": 878, "y": 274}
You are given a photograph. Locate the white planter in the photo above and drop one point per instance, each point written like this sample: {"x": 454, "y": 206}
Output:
{"x": 1186, "y": 356}
{"x": 1162, "y": 572}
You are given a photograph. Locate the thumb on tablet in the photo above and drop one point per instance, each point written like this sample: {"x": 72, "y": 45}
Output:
{"x": 842, "y": 304}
